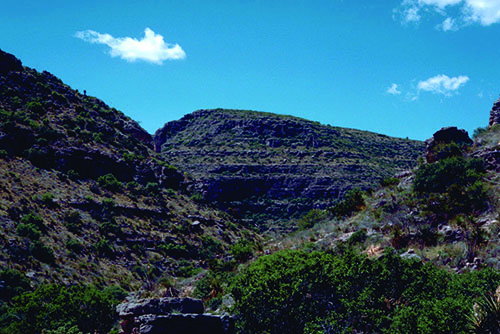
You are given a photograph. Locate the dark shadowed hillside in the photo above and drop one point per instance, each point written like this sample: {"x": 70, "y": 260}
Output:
{"x": 265, "y": 167}
{"x": 84, "y": 198}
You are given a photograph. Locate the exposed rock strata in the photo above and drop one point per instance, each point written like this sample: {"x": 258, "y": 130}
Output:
{"x": 276, "y": 166}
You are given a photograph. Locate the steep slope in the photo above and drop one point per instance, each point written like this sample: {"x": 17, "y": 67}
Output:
{"x": 83, "y": 197}
{"x": 263, "y": 166}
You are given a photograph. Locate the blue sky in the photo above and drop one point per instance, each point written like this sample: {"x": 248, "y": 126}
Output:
{"x": 404, "y": 68}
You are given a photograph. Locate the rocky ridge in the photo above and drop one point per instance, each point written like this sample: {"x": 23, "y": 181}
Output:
{"x": 266, "y": 166}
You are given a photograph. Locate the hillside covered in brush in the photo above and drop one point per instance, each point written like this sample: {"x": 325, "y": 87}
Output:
{"x": 84, "y": 197}
{"x": 266, "y": 167}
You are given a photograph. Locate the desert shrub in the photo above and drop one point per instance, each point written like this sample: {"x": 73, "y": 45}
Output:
{"x": 243, "y": 250}
{"x": 152, "y": 188}
{"x": 35, "y": 107}
{"x": 28, "y": 230}
{"x": 74, "y": 245}
{"x": 109, "y": 182}
{"x": 110, "y": 226}
{"x": 352, "y": 201}
{"x": 73, "y": 221}
{"x": 104, "y": 247}
{"x": 478, "y": 132}
{"x": 452, "y": 186}
{"x": 174, "y": 250}
{"x": 311, "y": 218}
{"x": 358, "y": 237}
{"x": 34, "y": 219}
{"x": 51, "y": 307}
{"x": 210, "y": 247}
{"x": 198, "y": 198}
{"x": 296, "y": 291}
{"x": 389, "y": 182}
{"x": 42, "y": 252}
{"x": 48, "y": 199}
{"x": 185, "y": 268}
{"x": 73, "y": 175}
{"x": 13, "y": 283}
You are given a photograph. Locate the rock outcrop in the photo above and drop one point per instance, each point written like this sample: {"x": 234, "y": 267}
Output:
{"x": 445, "y": 136}
{"x": 495, "y": 114}
{"x": 171, "y": 315}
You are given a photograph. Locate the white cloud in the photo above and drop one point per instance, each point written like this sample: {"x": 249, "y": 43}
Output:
{"x": 442, "y": 84}
{"x": 448, "y": 25}
{"x": 439, "y": 3}
{"x": 151, "y": 48}
{"x": 459, "y": 13}
{"x": 486, "y": 12}
{"x": 393, "y": 90}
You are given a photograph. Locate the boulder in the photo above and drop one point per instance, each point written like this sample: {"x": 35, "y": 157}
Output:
{"x": 445, "y": 136}
{"x": 171, "y": 315}
{"x": 160, "y": 306}
{"x": 185, "y": 324}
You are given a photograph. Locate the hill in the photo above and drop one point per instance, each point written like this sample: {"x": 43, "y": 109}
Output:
{"x": 84, "y": 197}
{"x": 265, "y": 167}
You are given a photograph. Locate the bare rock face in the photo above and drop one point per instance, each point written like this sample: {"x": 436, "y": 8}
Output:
{"x": 495, "y": 114}
{"x": 171, "y": 315}
{"x": 445, "y": 136}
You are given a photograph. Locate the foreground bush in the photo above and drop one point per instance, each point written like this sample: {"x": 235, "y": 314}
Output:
{"x": 51, "y": 307}
{"x": 301, "y": 292}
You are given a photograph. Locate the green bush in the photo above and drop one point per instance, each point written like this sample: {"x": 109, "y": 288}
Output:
{"x": 109, "y": 182}
{"x": 74, "y": 245}
{"x": 34, "y": 219}
{"x": 352, "y": 201}
{"x": 301, "y": 292}
{"x": 35, "y": 107}
{"x": 42, "y": 252}
{"x": 51, "y": 307}
{"x": 28, "y": 230}
{"x": 48, "y": 199}
{"x": 243, "y": 250}
{"x": 452, "y": 186}
{"x": 73, "y": 221}
{"x": 13, "y": 283}
{"x": 152, "y": 188}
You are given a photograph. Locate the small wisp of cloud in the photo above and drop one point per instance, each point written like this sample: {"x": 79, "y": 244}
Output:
{"x": 393, "y": 90}
{"x": 458, "y": 13}
{"x": 151, "y": 48}
{"x": 442, "y": 84}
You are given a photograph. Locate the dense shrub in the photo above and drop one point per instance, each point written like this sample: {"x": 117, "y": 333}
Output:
{"x": 352, "y": 201}
{"x": 301, "y": 292}
{"x": 13, "y": 283}
{"x": 42, "y": 252}
{"x": 243, "y": 250}
{"x": 452, "y": 186}
{"x": 73, "y": 221}
{"x": 51, "y": 307}
{"x": 109, "y": 182}
{"x": 28, "y": 230}
{"x": 34, "y": 219}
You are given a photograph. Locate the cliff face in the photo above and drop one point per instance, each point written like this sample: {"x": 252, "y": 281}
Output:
{"x": 265, "y": 166}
